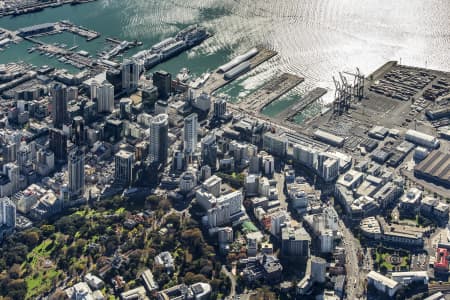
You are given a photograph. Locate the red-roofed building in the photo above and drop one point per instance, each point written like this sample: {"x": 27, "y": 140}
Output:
{"x": 441, "y": 264}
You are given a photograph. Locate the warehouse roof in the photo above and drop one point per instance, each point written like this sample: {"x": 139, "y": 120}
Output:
{"x": 437, "y": 165}
{"x": 329, "y": 137}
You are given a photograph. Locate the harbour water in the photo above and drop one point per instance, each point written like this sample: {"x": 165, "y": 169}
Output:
{"x": 315, "y": 39}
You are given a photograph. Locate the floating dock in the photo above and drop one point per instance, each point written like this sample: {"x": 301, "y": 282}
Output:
{"x": 218, "y": 79}
{"x": 271, "y": 91}
{"x": 311, "y": 97}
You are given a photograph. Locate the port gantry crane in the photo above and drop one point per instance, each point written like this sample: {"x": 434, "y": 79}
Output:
{"x": 342, "y": 94}
{"x": 358, "y": 84}
{"x": 345, "y": 92}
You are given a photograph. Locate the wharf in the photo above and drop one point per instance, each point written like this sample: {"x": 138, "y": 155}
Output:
{"x": 308, "y": 99}
{"x": 217, "y": 80}
{"x": 33, "y": 40}
{"x": 271, "y": 91}
{"x": 88, "y": 34}
{"x": 31, "y": 7}
{"x": 113, "y": 40}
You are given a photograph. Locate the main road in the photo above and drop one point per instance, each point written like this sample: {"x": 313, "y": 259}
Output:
{"x": 355, "y": 274}
{"x": 233, "y": 282}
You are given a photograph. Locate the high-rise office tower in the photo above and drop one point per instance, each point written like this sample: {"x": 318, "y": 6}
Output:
{"x": 7, "y": 213}
{"x": 114, "y": 77}
{"x": 209, "y": 151}
{"x": 103, "y": 92}
{"x": 76, "y": 173}
{"x": 125, "y": 108}
{"x": 130, "y": 76}
{"x": 95, "y": 85}
{"x": 59, "y": 104}
{"x": 24, "y": 156}
{"x": 12, "y": 171}
{"x": 78, "y": 131}
{"x": 72, "y": 93}
{"x": 190, "y": 133}
{"x": 124, "y": 163}
{"x": 163, "y": 82}
{"x": 10, "y": 152}
{"x": 159, "y": 138}
{"x": 58, "y": 144}
{"x": 220, "y": 108}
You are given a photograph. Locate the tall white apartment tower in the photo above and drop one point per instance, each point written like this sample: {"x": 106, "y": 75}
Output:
{"x": 104, "y": 93}
{"x": 190, "y": 133}
{"x": 7, "y": 212}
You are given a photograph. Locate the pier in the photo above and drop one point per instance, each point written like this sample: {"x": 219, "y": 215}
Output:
{"x": 218, "y": 79}
{"x": 271, "y": 91}
{"x": 311, "y": 97}
{"x": 88, "y": 34}
{"x": 35, "y": 6}
{"x": 118, "y": 47}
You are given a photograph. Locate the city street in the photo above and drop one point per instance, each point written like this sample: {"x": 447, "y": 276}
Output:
{"x": 279, "y": 177}
{"x": 355, "y": 274}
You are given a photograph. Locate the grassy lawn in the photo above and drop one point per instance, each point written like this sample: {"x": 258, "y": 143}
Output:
{"x": 404, "y": 262}
{"x": 120, "y": 211}
{"x": 383, "y": 261}
{"x": 42, "y": 250}
{"x": 40, "y": 280}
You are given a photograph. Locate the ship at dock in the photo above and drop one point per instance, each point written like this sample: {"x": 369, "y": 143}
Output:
{"x": 170, "y": 47}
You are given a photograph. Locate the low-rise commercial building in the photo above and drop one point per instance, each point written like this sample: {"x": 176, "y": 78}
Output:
{"x": 295, "y": 242}
{"x": 435, "y": 210}
{"x": 407, "y": 278}
{"x": 383, "y": 284}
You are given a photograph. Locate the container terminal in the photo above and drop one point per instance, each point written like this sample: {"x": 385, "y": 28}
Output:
{"x": 237, "y": 67}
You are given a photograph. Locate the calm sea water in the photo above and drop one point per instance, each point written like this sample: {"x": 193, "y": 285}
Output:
{"x": 315, "y": 38}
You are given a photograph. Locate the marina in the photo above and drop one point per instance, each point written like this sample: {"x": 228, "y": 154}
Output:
{"x": 158, "y": 53}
